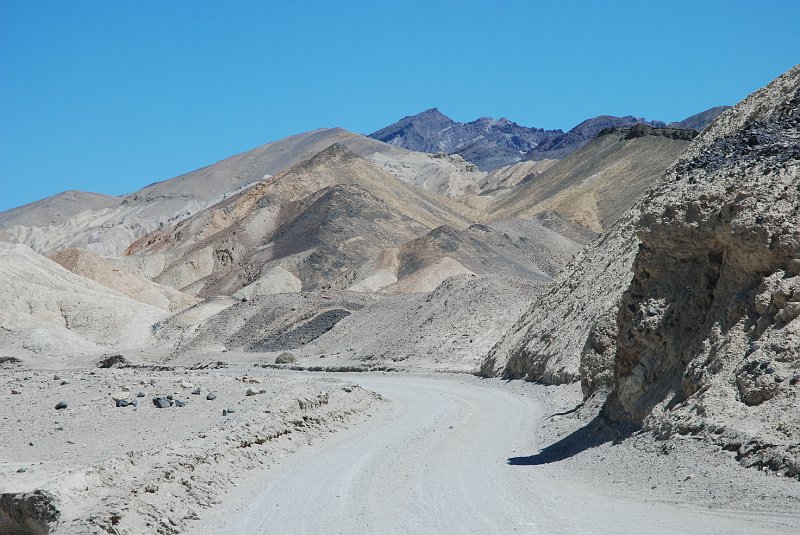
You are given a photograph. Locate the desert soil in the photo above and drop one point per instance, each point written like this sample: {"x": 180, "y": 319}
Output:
{"x": 143, "y": 469}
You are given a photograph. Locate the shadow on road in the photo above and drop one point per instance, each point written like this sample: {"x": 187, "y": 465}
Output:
{"x": 591, "y": 435}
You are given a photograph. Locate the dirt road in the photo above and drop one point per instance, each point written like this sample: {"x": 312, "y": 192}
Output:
{"x": 436, "y": 460}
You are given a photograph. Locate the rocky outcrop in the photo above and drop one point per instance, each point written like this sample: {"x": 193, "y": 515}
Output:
{"x": 547, "y": 343}
{"x": 708, "y": 340}
{"x": 34, "y": 512}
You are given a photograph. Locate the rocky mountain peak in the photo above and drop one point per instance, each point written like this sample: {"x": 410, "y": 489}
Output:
{"x": 492, "y": 143}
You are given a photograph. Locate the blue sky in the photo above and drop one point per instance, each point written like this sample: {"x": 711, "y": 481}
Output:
{"x": 109, "y": 96}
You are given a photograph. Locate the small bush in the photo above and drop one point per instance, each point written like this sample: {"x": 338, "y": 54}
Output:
{"x": 285, "y": 358}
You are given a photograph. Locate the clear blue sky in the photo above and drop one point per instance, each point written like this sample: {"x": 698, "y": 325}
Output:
{"x": 109, "y": 96}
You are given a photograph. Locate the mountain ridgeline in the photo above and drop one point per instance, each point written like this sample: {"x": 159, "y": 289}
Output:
{"x": 494, "y": 143}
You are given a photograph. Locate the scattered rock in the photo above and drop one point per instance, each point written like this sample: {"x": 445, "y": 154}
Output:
{"x": 140, "y": 394}
{"x": 161, "y": 402}
{"x": 113, "y": 361}
{"x": 186, "y": 384}
{"x": 255, "y": 391}
{"x": 180, "y": 403}
{"x": 211, "y": 396}
{"x": 196, "y": 391}
{"x": 61, "y": 405}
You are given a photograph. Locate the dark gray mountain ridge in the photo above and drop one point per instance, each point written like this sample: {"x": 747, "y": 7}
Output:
{"x": 493, "y": 143}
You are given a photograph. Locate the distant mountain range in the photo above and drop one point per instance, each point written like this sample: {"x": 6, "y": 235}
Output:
{"x": 493, "y": 143}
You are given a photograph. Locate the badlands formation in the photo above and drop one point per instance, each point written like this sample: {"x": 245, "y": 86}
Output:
{"x": 175, "y": 360}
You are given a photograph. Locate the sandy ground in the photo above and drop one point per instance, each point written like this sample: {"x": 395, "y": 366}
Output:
{"x": 143, "y": 469}
{"x": 455, "y": 454}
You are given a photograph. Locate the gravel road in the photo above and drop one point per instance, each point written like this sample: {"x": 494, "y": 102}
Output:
{"x": 436, "y": 460}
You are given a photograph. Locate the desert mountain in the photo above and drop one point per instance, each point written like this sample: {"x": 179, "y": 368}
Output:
{"x": 686, "y": 308}
{"x": 494, "y": 143}
{"x": 594, "y": 185}
{"x": 106, "y": 225}
{"x": 486, "y": 142}
{"x": 319, "y": 221}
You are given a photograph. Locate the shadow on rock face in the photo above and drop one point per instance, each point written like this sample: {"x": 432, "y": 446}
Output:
{"x": 593, "y": 434}
{"x": 32, "y": 513}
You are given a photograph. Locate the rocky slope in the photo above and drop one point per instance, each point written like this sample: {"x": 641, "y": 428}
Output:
{"x": 448, "y": 329}
{"x": 596, "y": 184}
{"x": 708, "y": 336}
{"x": 685, "y": 309}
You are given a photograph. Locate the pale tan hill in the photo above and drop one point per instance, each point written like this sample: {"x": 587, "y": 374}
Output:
{"x": 243, "y": 169}
{"x": 318, "y": 221}
{"x": 92, "y": 267}
{"x": 439, "y": 173}
{"x": 56, "y": 209}
{"x": 109, "y": 230}
{"x": 50, "y": 311}
{"x": 597, "y": 183}
{"x": 446, "y": 175}
{"x": 107, "y": 225}
{"x": 513, "y": 248}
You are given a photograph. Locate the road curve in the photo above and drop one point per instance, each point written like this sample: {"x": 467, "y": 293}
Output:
{"x": 434, "y": 461}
